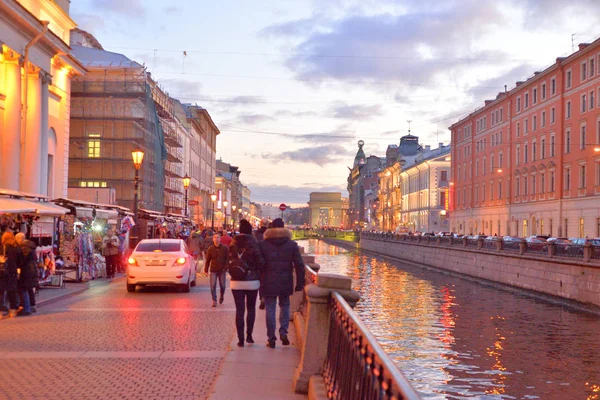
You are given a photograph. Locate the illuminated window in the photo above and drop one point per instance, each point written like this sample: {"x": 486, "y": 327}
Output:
{"x": 93, "y": 184}
{"x": 94, "y": 146}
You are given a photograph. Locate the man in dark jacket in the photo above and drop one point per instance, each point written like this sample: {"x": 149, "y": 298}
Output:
{"x": 259, "y": 234}
{"x": 28, "y": 278}
{"x": 217, "y": 260}
{"x": 282, "y": 256}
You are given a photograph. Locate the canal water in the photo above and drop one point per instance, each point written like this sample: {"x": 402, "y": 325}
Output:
{"x": 455, "y": 338}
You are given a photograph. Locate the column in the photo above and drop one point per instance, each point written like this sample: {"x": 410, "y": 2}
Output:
{"x": 11, "y": 137}
{"x": 30, "y": 160}
{"x": 46, "y": 80}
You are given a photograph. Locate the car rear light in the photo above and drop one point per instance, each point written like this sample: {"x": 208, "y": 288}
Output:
{"x": 132, "y": 277}
{"x": 179, "y": 276}
{"x": 132, "y": 261}
{"x": 180, "y": 260}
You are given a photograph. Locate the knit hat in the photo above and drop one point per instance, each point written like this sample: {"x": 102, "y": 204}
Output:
{"x": 245, "y": 227}
{"x": 277, "y": 223}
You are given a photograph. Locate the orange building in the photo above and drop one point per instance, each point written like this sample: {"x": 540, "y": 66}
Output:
{"x": 528, "y": 162}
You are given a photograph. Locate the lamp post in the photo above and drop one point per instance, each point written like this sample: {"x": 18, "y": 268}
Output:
{"x": 186, "y": 185}
{"x": 225, "y": 204}
{"x": 233, "y": 207}
{"x": 138, "y": 157}
{"x": 213, "y": 197}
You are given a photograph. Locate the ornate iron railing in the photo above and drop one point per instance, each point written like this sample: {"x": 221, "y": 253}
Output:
{"x": 310, "y": 276}
{"x": 356, "y": 367}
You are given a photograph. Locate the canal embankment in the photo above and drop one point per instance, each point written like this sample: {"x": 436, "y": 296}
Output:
{"x": 563, "y": 278}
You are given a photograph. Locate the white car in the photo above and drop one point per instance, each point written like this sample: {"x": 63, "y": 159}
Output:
{"x": 161, "y": 262}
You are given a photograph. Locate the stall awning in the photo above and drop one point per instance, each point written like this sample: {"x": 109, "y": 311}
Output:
{"x": 10, "y": 205}
{"x": 106, "y": 214}
{"x": 84, "y": 212}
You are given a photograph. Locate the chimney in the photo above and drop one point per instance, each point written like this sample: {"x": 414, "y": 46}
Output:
{"x": 441, "y": 144}
{"x": 427, "y": 147}
{"x": 583, "y": 46}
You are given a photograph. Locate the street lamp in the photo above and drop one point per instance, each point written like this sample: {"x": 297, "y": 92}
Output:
{"x": 225, "y": 204}
{"x": 138, "y": 157}
{"x": 186, "y": 185}
{"x": 213, "y": 197}
{"x": 233, "y": 207}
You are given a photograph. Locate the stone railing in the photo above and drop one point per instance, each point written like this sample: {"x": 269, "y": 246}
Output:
{"x": 585, "y": 253}
{"x": 340, "y": 357}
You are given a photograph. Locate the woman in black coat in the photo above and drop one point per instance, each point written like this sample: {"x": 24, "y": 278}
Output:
{"x": 28, "y": 278}
{"x": 9, "y": 279}
{"x": 245, "y": 291}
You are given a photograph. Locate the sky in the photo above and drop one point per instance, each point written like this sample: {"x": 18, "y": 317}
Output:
{"x": 293, "y": 85}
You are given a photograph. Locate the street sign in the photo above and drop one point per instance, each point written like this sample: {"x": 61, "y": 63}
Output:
{"x": 193, "y": 203}
{"x": 282, "y": 207}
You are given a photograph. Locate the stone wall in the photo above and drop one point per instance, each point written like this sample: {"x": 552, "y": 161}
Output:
{"x": 562, "y": 278}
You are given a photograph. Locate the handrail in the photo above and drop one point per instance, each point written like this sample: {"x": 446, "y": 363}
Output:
{"x": 356, "y": 367}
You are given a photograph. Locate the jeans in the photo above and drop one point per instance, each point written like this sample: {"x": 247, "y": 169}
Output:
{"x": 244, "y": 299}
{"x": 25, "y": 299}
{"x": 31, "y": 296}
{"x": 213, "y": 284}
{"x": 284, "y": 315}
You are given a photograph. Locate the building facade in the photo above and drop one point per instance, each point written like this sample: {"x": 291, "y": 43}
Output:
{"x": 414, "y": 188}
{"x": 528, "y": 162}
{"x": 36, "y": 69}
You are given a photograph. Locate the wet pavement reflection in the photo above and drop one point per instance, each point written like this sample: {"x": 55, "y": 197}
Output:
{"x": 455, "y": 338}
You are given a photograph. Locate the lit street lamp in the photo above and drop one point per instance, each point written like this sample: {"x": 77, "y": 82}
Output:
{"x": 138, "y": 157}
{"x": 186, "y": 185}
{"x": 225, "y": 204}
{"x": 213, "y": 197}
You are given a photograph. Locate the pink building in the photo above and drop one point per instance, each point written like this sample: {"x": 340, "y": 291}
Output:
{"x": 528, "y": 162}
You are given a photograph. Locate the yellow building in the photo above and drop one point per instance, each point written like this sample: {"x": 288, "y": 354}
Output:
{"x": 36, "y": 68}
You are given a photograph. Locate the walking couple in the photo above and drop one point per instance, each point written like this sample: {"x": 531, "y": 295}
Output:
{"x": 269, "y": 266}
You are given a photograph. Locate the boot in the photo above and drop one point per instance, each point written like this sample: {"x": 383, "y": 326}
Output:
{"x": 249, "y": 338}
{"x": 12, "y": 313}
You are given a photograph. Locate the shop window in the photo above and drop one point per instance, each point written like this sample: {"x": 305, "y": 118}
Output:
{"x": 93, "y": 145}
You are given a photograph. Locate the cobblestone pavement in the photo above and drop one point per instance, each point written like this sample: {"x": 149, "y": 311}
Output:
{"x": 109, "y": 344}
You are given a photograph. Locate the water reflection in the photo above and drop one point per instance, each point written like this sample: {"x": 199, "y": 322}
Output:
{"x": 454, "y": 338}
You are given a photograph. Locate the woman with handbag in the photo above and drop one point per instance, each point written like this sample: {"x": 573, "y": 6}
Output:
{"x": 10, "y": 260}
{"x": 246, "y": 264}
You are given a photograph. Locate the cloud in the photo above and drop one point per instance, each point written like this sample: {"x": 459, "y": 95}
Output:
{"x": 276, "y": 194}
{"x": 293, "y": 28}
{"x": 133, "y": 9}
{"x": 89, "y": 22}
{"x": 252, "y": 119}
{"x": 489, "y": 88}
{"x": 295, "y": 114}
{"x": 182, "y": 89}
{"x": 171, "y": 10}
{"x": 356, "y": 111}
{"x": 319, "y": 155}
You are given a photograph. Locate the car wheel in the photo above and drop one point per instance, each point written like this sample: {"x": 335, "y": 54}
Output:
{"x": 130, "y": 288}
{"x": 186, "y": 287}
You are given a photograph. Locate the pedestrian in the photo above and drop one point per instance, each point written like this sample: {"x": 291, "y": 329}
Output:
{"x": 245, "y": 247}
{"x": 110, "y": 251}
{"x": 28, "y": 278}
{"x": 259, "y": 235}
{"x": 217, "y": 260}
{"x": 10, "y": 260}
{"x": 225, "y": 238}
{"x": 282, "y": 256}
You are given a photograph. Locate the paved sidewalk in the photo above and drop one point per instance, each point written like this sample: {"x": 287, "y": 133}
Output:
{"x": 256, "y": 371}
{"x": 47, "y": 295}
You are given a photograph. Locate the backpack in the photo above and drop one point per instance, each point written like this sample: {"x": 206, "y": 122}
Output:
{"x": 238, "y": 268}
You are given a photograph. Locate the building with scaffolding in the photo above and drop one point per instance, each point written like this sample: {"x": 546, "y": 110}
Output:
{"x": 117, "y": 107}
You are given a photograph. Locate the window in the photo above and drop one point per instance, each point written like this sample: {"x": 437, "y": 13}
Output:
{"x": 525, "y": 185}
{"x": 552, "y": 115}
{"x": 458, "y": 175}
{"x": 582, "y": 138}
{"x": 597, "y": 173}
{"x": 543, "y": 148}
{"x": 581, "y": 234}
{"x": 534, "y": 123}
{"x": 534, "y": 96}
{"x": 518, "y": 129}
{"x": 552, "y": 181}
{"x": 583, "y": 103}
{"x": 444, "y": 176}
{"x": 533, "y": 151}
{"x": 501, "y": 114}
{"x": 592, "y": 67}
{"x": 518, "y": 104}
{"x": 526, "y": 100}
{"x": 582, "y": 176}
{"x": 92, "y": 184}
{"x": 533, "y": 184}
{"x": 93, "y": 145}
{"x": 568, "y": 141}
{"x": 476, "y": 167}
{"x": 553, "y": 86}
{"x": 499, "y": 190}
{"x": 483, "y": 192}
{"x": 442, "y": 199}
{"x": 543, "y": 122}
{"x": 566, "y": 227}
{"x": 525, "y": 153}
{"x": 518, "y": 186}
{"x": 526, "y": 127}
{"x": 543, "y": 91}
{"x": 552, "y": 145}
{"x": 583, "y": 71}
{"x": 518, "y": 158}
{"x": 569, "y": 81}
{"x": 568, "y": 109}
{"x": 500, "y": 163}
{"x": 492, "y": 166}
{"x": 567, "y": 178}
{"x": 484, "y": 166}
{"x": 491, "y": 191}
{"x": 592, "y": 105}
{"x": 542, "y": 183}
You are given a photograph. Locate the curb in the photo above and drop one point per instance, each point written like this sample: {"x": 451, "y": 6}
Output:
{"x": 61, "y": 297}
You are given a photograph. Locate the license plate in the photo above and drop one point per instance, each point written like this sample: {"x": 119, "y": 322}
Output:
{"x": 156, "y": 262}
